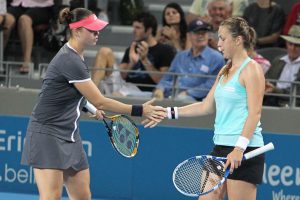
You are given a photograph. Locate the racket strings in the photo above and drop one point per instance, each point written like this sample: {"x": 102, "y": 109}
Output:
{"x": 124, "y": 135}
{"x": 198, "y": 176}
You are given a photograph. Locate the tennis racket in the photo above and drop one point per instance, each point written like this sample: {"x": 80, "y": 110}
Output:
{"x": 123, "y": 134}
{"x": 200, "y": 175}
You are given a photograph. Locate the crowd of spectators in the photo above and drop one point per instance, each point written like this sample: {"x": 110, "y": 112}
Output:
{"x": 182, "y": 43}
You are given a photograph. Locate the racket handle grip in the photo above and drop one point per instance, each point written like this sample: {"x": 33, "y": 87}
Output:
{"x": 90, "y": 107}
{"x": 259, "y": 151}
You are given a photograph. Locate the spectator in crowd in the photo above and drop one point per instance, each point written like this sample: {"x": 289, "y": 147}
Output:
{"x": 128, "y": 9}
{"x": 174, "y": 30}
{"x": 293, "y": 18}
{"x": 285, "y": 68}
{"x": 5, "y": 22}
{"x": 26, "y": 14}
{"x": 199, "y": 60}
{"x": 98, "y": 7}
{"x": 218, "y": 11}
{"x": 200, "y": 8}
{"x": 144, "y": 54}
{"x": 267, "y": 18}
{"x": 263, "y": 62}
{"x": 58, "y": 34}
{"x": 239, "y": 6}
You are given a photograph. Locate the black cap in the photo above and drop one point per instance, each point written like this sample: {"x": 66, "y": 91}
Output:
{"x": 198, "y": 25}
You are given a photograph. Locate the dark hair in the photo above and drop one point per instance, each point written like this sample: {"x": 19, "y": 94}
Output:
{"x": 182, "y": 23}
{"x": 148, "y": 20}
{"x": 238, "y": 26}
{"x": 66, "y": 16}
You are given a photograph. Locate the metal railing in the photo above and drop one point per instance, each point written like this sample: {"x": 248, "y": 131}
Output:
{"x": 39, "y": 74}
{"x": 292, "y": 96}
{"x": 8, "y": 67}
{"x": 1, "y": 49}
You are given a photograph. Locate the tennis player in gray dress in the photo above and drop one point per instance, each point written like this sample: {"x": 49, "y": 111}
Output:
{"x": 53, "y": 144}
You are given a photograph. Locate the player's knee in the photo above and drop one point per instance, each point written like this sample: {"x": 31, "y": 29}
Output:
{"x": 53, "y": 195}
{"x": 83, "y": 195}
{"x": 88, "y": 195}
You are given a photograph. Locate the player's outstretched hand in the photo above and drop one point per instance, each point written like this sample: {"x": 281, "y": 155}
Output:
{"x": 154, "y": 113}
{"x": 150, "y": 123}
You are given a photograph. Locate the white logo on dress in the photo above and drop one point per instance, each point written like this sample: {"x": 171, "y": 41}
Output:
{"x": 229, "y": 89}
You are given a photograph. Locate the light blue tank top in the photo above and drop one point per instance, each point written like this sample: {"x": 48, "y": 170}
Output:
{"x": 232, "y": 112}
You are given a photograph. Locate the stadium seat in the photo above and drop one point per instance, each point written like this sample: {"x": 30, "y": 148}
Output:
{"x": 271, "y": 52}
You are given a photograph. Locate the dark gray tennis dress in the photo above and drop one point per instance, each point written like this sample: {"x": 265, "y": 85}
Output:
{"x": 52, "y": 138}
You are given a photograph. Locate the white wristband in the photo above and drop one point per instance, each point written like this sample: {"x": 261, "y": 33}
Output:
{"x": 172, "y": 112}
{"x": 92, "y": 109}
{"x": 176, "y": 112}
{"x": 169, "y": 112}
{"x": 242, "y": 142}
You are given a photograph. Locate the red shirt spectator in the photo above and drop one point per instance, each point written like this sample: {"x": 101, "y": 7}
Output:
{"x": 293, "y": 18}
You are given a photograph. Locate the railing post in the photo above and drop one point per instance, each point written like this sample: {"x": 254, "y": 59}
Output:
{"x": 86, "y": 4}
{"x": 293, "y": 93}
{"x": 3, "y": 10}
{"x": 7, "y": 77}
{"x": 1, "y": 50}
{"x": 174, "y": 85}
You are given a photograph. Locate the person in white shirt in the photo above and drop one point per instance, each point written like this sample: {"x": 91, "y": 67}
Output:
{"x": 286, "y": 70}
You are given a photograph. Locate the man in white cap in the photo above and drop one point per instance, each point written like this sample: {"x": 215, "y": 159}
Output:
{"x": 285, "y": 69}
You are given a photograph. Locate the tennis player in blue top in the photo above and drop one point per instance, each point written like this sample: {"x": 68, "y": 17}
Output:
{"x": 236, "y": 96}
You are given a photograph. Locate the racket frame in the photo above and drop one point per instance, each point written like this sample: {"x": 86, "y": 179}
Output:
{"x": 221, "y": 159}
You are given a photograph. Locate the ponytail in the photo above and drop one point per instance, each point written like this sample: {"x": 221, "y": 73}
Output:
{"x": 65, "y": 16}
{"x": 225, "y": 70}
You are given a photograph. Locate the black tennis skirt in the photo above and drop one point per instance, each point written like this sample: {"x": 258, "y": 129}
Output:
{"x": 250, "y": 170}
{"x": 46, "y": 151}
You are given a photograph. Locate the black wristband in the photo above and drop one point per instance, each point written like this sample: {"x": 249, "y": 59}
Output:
{"x": 137, "y": 110}
{"x": 172, "y": 112}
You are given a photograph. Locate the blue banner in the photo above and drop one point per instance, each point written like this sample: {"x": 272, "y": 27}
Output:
{"x": 147, "y": 176}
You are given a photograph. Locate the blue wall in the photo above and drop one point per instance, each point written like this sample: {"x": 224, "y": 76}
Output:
{"x": 148, "y": 175}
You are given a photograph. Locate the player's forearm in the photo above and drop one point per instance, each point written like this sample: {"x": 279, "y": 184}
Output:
{"x": 251, "y": 124}
{"x": 90, "y": 91}
{"x": 193, "y": 110}
{"x": 114, "y": 106}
